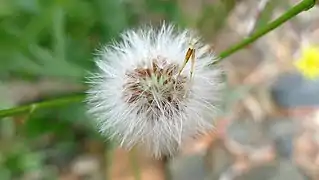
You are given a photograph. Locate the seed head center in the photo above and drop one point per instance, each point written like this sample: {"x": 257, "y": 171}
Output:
{"x": 157, "y": 87}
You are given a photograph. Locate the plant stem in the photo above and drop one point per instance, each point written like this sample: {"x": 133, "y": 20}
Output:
{"x": 168, "y": 175}
{"x": 40, "y": 105}
{"x": 300, "y": 7}
{"x": 135, "y": 164}
{"x": 109, "y": 157}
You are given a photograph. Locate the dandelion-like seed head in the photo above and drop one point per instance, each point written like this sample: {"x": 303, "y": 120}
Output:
{"x": 155, "y": 90}
{"x": 138, "y": 96}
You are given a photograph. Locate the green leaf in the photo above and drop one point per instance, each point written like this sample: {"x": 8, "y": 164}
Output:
{"x": 112, "y": 15}
{"x": 170, "y": 9}
{"x": 52, "y": 66}
{"x": 214, "y": 17}
{"x": 58, "y": 33}
{"x": 30, "y": 6}
{"x": 6, "y": 8}
{"x": 44, "y": 122}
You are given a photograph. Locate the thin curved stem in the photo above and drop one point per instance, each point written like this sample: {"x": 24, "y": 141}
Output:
{"x": 40, "y": 105}
{"x": 300, "y": 7}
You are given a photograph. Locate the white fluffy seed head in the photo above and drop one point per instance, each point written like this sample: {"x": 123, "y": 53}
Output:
{"x": 137, "y": 97}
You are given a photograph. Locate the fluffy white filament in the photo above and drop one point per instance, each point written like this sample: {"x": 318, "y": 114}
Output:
{"x": 158, "y": 109}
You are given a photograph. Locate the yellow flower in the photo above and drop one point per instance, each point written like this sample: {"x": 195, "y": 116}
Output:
{"x": 308, "y": 64}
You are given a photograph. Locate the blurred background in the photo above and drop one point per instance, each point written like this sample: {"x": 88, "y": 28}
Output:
{"x": 46, "y": 50}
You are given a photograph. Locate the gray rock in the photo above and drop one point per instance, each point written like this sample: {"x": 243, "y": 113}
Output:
{"x": 282, "y": 131}
{"x": 248, "y": 132}
{"x": 188, "y": 168}
{"x": 293, "y": 90}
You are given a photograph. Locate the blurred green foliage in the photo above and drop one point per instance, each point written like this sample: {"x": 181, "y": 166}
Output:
{"x": 57, "y": 38}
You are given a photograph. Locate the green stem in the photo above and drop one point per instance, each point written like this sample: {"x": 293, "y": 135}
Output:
{"x": 135, "y": 165}
{"x": 300, "y": 7}
{"x": 109, "y": 158}
{"x": 41, "y": 105}
{"x": 168, "y": 174}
